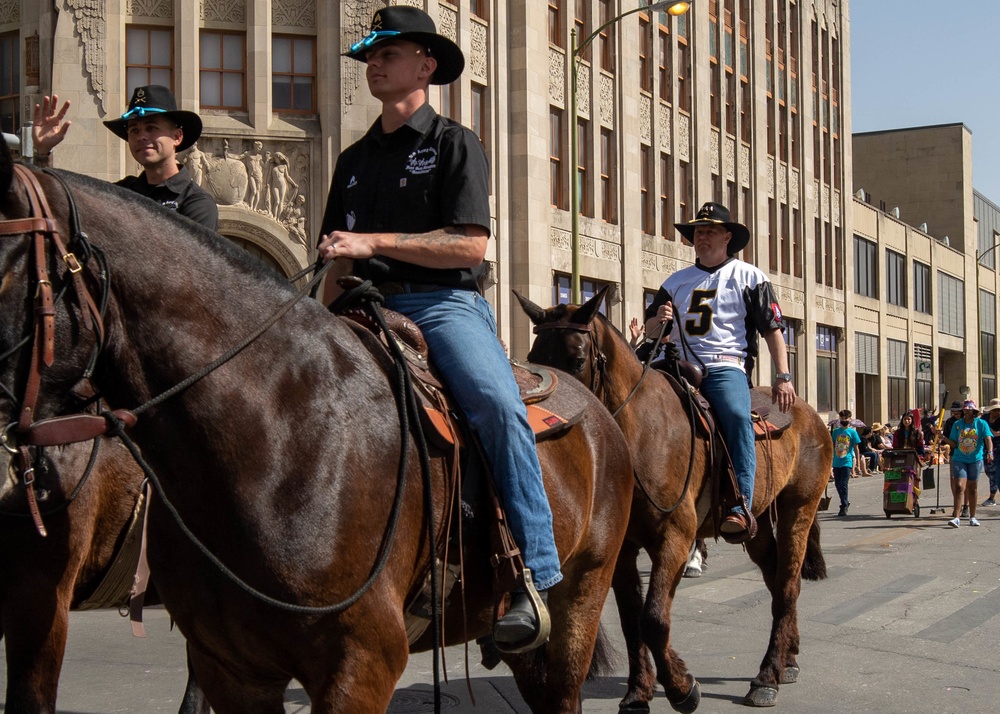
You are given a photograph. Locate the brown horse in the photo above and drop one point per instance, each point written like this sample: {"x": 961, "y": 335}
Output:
{"x": 791, "y": 477}
{"x": 279, "y": 471}
{"x": 92, "y": 490}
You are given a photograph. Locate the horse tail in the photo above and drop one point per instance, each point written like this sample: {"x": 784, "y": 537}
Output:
{"x": 605, "y": 659}
{"x": 814, "y": 565}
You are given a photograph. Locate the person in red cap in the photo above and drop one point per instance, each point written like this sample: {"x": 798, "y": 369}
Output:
{"x": 714, "y": 311}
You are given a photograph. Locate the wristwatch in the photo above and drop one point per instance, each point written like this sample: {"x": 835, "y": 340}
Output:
{"x": 783, "y": 377}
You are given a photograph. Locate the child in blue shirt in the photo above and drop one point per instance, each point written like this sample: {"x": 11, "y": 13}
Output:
{"x": 845, "y": 446}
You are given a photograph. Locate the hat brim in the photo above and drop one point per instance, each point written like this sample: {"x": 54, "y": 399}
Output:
{"x": 189, "y": 122}
{"x": 450, "y": 60}
{"x": 741, "y": 234}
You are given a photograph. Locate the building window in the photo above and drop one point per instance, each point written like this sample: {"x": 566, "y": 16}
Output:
{"x": 666, "y": 83}
{"x": 223, "y": 70}
{"x": 561, "y": 292}
{"x": 826, "y": 367}
{"x": 480, "y": 120}
{"x": 683, "y": 75}
{"x": 608, "y": 176}
{"x": 684, "y": 183}
{"x": 556, "y": 24}
{"x": 667, "y": 197}
{"x": 149, "y": 57}
{"x": 793, "y": 330}
{"x": 10, "y": 83}
{"x": 865, "y": 268}
{"x": 951, "y": 305}
{"x": 923, "y": 376}
{"x": 581, "y": 22}
{"x": 895, "y": 278}
{"x": 866, "y": 374}
{"x": 897, "y": 357}
{"x": 583, "y": 167}
{"x": 480, "y": 8}
{"x": 922, "y": 288}
{"x": 645, "y": 54}
{"x": 646, "y": 189}
{"x": 988, "y": 344}
{"x": 557, "y": 185}
{"x": 606, "y": 40}
{"x": 293, "y": 74}
{"x": 449, "y": 101}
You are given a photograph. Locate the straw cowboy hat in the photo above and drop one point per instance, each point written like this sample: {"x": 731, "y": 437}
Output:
{"x": 994, "y": 405}
{"x": 156, "y": 100}
{"x": 876, "y": 426}
{"x": 402, "y": 22}
{"x": 715, "y": 214}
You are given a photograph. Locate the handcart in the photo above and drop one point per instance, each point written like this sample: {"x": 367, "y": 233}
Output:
{"x": 901, "y": 491}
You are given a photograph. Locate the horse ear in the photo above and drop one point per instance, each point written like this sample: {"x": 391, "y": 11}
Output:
{"x": 588, "y": 311}
{"x": 535, "y": 313}
{"x": 6, "y": 164}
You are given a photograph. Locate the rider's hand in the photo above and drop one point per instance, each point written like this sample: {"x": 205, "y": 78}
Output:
{"x": 48, "y": 128}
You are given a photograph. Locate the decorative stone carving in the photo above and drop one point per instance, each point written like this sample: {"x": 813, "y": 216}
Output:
{"x": 272, "y": 181}
{"x": 557, "y": 76}
{"x": 684, "y": 137}
{"x": 151, "y": 8}
{"x": 588, "y": 246}
{"x": 770, "y": 177}
{"x": 783, "y": 184}
{"x": 648, "y": 261}
{"x": 90, "y": 18}
{"x": 645, "y": 118}
{"x": 730, "y": 158}
{"x": 664, "y": 127}
{"x": 744, "y": 165}
{"x": 836, "y": 208}
{"x": 224, "y": 10}
{"x": 607, "y": 101}
{"x": 826, "y": 202}
{"x": 583, "y": 81}
{"x": 793, "y": 188}
{"x": 356, "y": 17}
{"x": 479, "y": 50}
{"x": 293, "y": 13}
{"x": 411, "y": 3}
{"x": 10, "y": 11}
{"x": 447, "y": 22}
{"x": 560, "y": 239}
{"x": 713, "y": 143}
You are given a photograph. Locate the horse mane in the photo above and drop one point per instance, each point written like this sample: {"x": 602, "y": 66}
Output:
{"x": 181, "y": 226}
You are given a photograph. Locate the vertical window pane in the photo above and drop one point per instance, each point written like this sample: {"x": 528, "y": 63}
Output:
{"x": 303, "y": 57}
{"x": 232, "y": 90}
{"x": 160, "y": 42}
{"x": 136, "y": 46}
{"x": 210, "y": 96}
{"x": 210, "y": 53}
{"x": 281, "y": 54}
{"x": 137, "y": 77}
{"x": 158, "y": 76}
{"x": 281, "y": 92}
{"x": 303, "y": 94}
{"x": 232, "y": 52}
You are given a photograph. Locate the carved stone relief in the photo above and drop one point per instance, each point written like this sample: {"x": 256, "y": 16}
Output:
{"x": 836, "y": 208}
{"x": 271, "y": 180}
{"x": 745, "y": 165}
{"x": 713, "y": 143}
{"x": 770, "y": 177}
{"x": 151, "y": 8}
{"x": 793, "y": 188}
{"x": 783, "y": 183}
{"x": 90, "y": 18}
{"x": 357, "y": 18}
{"x": 557, "y": 76}
{"x": 607, "y": 100}
{"x": 730, "y": 156}
{"x": 648, "y": 261}
{"x": 10, "y": 11}
{"x": 684, "y": 137}
{"x": 479, "y": 48}
{"x": 826, "y": 202}
{"x": 645, "y": 109}
{"x": 583, "y": 89}
{"x": 224, "y": 10}
{"x": 447, "y": 22}
{"x": 411, "y": 3}
{"x": 664, "y": 126}
{"x": 293, "y": 13}
{"x": 560, "y": 239}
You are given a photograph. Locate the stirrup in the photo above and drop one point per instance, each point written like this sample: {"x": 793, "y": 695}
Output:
{"x": 541, "y": 614}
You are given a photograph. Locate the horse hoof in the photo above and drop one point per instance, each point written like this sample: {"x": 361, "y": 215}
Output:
{"x": 690, "y": 572}
{"x": 790, "y": 675}
{"x": 689, "y": 703}
{"x": 761, "y": 695}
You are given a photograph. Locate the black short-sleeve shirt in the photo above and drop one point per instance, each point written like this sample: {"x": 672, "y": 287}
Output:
{"x": 178, "y": 193}
{"x": 428, "y": 174}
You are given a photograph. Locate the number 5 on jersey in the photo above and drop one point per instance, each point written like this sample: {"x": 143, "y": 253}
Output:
{"x": 699, "y": 320}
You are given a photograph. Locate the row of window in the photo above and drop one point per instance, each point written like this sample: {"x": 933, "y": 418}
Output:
{"x": 866, "y": 277}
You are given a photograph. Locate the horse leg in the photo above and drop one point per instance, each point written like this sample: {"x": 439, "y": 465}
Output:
{"x": 35, "y": 634}
{"x": 669, "y": 557}
{"x": 231, "y": 692}
{"x": 194, "y": 701}
{"x": 628, "y": 597}
{"x": 696, "y": 559}
{"x": 782, "y": 568}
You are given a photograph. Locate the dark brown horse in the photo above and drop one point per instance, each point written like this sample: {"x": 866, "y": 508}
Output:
{"x": 282, "y": 467}
{"x": 92, "y": 490}
{"x": 791, "y": 477}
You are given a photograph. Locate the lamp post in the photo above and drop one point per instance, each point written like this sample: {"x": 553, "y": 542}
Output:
{"x": 673, "y": 7}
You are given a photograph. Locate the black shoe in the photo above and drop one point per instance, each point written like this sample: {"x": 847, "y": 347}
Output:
{"x": 965, "y": 512}
{"x": 843, "y": 510}
{"x": 520, "y": 625}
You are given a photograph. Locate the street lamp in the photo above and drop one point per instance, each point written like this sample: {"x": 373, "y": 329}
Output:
{"x": 672, "y": 7}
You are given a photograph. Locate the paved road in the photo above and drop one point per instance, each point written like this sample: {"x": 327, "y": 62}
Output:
{"x": 905, "y": 623}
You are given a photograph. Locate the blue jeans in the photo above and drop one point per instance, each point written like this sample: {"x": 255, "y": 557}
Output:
{"x": 841, "y": 479}
{"x": 460, "y": 330}
{"x": 728, "y": 391}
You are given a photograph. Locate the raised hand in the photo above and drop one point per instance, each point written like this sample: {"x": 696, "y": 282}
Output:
{"x": 48, "y": 128}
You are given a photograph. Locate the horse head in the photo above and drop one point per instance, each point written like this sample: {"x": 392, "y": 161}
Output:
{"x": 569, "y": 337}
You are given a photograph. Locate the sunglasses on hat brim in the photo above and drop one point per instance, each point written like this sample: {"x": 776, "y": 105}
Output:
{"x": 141, "y": 112}
{"x": 372, "y": 37}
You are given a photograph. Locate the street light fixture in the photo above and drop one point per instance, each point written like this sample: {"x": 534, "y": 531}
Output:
{"x": 672, "y": 7}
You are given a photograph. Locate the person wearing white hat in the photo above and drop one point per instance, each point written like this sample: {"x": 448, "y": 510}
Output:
{"x": 970, "y": 439}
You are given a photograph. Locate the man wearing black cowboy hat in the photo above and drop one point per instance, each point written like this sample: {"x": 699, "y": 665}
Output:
{"x": 409, "y": 204}
{"x": 721, "y": 305}
{"x": 156, "y": 130}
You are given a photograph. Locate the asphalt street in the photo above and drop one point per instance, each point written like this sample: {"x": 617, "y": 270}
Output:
{"x": 905, "y": 623}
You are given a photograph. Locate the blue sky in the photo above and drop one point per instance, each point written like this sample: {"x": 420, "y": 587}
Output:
{"x": 925, "y": 62}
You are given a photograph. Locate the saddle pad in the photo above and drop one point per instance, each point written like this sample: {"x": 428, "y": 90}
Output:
{"x": 768, "y": 412}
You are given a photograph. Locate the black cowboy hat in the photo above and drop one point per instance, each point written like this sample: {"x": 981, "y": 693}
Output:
{"x": 410, "y": 23}
{"x": 715, "y": 214}
{"x": 156, "y": 100}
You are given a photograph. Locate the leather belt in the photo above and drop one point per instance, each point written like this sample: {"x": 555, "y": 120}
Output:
{"x": 395, "y": 288}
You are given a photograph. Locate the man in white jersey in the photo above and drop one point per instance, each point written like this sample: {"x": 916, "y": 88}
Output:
{"x": 722, "y": 304}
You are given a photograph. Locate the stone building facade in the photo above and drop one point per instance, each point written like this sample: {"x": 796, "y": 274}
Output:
{"x": 742, "y": 102}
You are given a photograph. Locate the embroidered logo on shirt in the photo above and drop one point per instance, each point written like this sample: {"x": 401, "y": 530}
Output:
{"x": 422, "y": 161}
{"x": 776, "y": 310}
{"x": 353, "y": 182}
{"x": 351, "y": 219}
{"x": 170, "y": 205}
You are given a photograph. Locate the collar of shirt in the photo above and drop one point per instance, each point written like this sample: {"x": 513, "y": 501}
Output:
{"x": 176, "y": 183}
{"x": 419, "y": 122}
